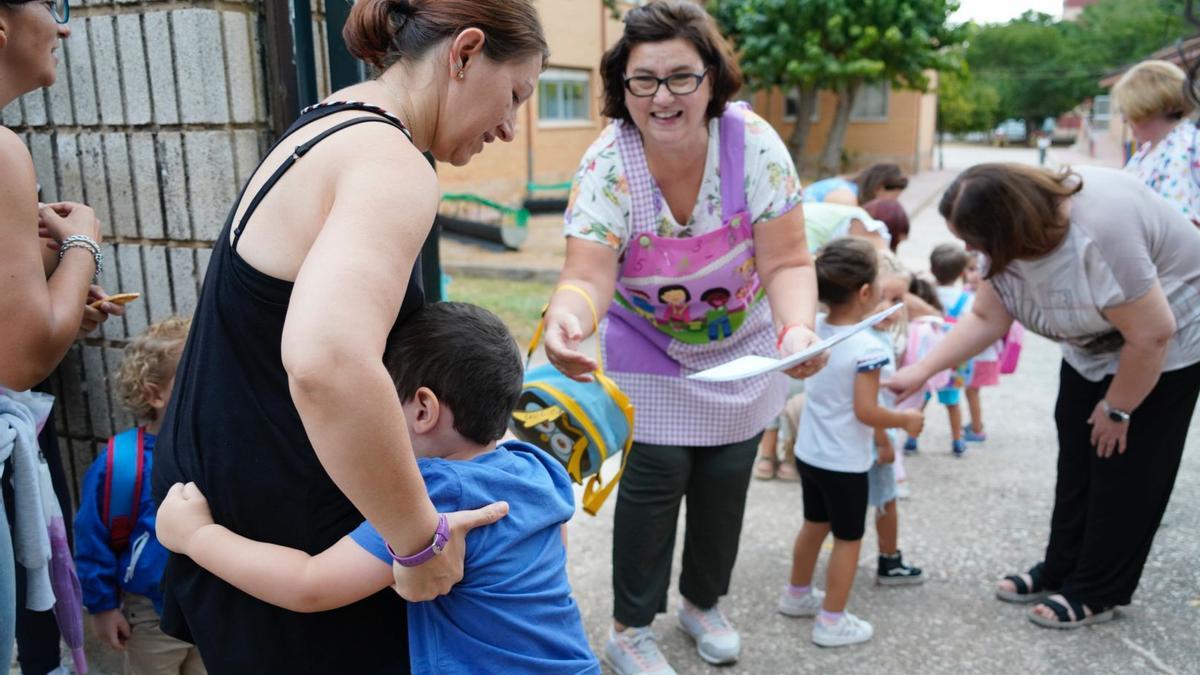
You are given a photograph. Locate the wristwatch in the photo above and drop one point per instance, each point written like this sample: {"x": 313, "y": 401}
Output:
{"x": 441, "y": 537}
{"x": 1114, "y": 414}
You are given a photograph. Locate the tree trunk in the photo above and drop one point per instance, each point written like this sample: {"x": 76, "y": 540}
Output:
{"x": 804, "y": 114}
{"x": 831, "y": 158}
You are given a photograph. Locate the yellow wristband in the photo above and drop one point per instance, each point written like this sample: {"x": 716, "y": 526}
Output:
{"x": 586, "y": 296}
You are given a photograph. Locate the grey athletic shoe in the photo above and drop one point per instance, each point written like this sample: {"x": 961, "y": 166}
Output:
{"x": 716, "y": 640}
{"x": 634, "y": 651}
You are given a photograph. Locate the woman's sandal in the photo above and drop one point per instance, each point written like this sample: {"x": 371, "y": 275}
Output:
{"x": 787, "y": 472}
{"x": 764, "y": 468}
{"x": 1070, "y": 613}
{"x": 1033, "y": 590}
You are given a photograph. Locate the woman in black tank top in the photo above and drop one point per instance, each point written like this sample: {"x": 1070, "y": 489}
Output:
{"x": 283, "y": 413}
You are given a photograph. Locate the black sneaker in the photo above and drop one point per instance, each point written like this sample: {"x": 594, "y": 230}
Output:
{"x": 894, "y": 572}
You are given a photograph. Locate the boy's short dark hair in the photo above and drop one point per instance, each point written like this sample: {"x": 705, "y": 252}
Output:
{"x": 947, "y": 263}
{"x": 843, "y": 266}
{"x": 467, "y": 357}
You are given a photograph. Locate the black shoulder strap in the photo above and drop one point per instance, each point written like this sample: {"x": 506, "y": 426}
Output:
{"x": 307, "y": 117}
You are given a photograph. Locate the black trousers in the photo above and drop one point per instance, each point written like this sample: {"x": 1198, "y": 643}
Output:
{"x": 714, "y": 480}
{"x": 1106, "y": 511}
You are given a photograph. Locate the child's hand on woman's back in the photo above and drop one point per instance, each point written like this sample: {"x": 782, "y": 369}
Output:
{"x": 180, "y": 516}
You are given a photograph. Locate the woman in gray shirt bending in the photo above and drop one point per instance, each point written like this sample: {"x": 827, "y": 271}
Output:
{"x": 1099, "y": 263}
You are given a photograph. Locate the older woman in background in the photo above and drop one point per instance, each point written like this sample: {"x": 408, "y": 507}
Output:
{"x": 1153, "y": 98}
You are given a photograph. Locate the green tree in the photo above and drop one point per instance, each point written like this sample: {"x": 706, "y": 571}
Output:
{"x": 1042, "y": 68}
{"x": 837, "y": 45}
{"x": 1032, "y": 63}
{"x": 965, "y": 104}
{"x": 1117, "y": 32}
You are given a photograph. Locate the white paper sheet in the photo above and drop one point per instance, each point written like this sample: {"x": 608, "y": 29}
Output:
{"x": 750, "y": 366}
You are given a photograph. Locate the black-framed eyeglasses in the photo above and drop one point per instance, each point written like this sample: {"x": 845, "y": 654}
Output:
{"x": 680, "y": 84}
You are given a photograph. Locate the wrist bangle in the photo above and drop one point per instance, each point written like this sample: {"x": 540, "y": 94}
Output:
{"x": 784, "y": 331}
{"x": 441, "y": 537}
{"x": 591, "y": 305}
{"x": 84, "y": 242}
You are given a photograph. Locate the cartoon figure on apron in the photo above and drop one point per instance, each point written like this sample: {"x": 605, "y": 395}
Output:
{"x": 750, "y": 278}
{"x": 641, "y": 303}
{"x": 676, "y": 314}
{"x": 699, "y": 320}
{"x": 717, "y": 318}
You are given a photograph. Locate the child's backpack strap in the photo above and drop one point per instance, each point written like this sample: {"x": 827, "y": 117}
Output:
{"x": 123, "y": 485}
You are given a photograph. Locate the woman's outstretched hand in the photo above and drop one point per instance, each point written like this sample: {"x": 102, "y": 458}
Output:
{"x": 797, "y": 339}
{"x": 906, "y": 382}
{"x": 438, "y": 575}
{"x": 562, "y": 337}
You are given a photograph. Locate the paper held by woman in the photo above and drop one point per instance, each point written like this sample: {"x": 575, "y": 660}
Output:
{"x": 750, "y": 366}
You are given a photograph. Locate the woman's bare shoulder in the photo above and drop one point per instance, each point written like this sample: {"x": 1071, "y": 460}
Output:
{"x": 18, "y": 181}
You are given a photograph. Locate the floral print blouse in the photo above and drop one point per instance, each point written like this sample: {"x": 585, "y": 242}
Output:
{"x": 1172, "y": 168}
{"x": 600, "y": 206}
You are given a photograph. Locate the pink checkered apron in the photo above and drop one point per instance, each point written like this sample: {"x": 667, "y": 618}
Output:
{"x": 686, "y": 304}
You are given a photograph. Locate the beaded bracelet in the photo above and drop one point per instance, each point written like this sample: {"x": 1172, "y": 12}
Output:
{"x": 87, "y": 243}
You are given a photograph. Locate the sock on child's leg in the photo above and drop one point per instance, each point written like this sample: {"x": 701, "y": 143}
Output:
{"x": 830, "y": 618}
{"x": 799, "y": 591}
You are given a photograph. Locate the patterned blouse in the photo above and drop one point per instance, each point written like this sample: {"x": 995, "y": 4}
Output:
{"x": 1172, "y": 168}
{"x": 600, "y": 205}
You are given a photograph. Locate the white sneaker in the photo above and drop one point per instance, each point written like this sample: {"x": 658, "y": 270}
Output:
{"x": 634, "y": 651}
{"x": 849, "y": 630}
{"x": 808, "y": 604}
{"x": 716, "y": 640}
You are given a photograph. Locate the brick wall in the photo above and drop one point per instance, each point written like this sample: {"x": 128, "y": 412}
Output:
{"x": 156, "y": 120}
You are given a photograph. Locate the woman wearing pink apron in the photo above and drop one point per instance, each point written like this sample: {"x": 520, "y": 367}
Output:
{"x": 684, "y": 214}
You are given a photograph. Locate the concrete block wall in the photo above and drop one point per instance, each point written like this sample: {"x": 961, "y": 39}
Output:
{"x": 158, "y": 116}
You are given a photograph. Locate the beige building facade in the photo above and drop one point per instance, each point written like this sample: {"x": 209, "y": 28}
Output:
{"x": 563, "y": 118}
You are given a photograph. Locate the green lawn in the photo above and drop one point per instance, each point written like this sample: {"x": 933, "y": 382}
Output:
{"x": 518, "y": 303}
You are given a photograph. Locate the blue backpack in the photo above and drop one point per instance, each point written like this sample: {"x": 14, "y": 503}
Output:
{"x": 124, "y": 472}
{"x": 581, "y": 424}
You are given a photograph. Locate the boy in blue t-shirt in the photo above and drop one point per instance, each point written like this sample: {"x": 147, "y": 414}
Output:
{"x": 458, "y": 372}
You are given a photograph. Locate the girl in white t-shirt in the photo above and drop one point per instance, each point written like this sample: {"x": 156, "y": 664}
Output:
{"x": 834, "y": 444}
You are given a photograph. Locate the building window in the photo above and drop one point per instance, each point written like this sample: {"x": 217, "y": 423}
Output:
{"x": 563, "y": 96}
{"x": 791, "y": 105}
{"x": 871, "y": 104}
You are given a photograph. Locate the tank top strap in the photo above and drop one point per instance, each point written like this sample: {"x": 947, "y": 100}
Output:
{"x": 308, "y": 116}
